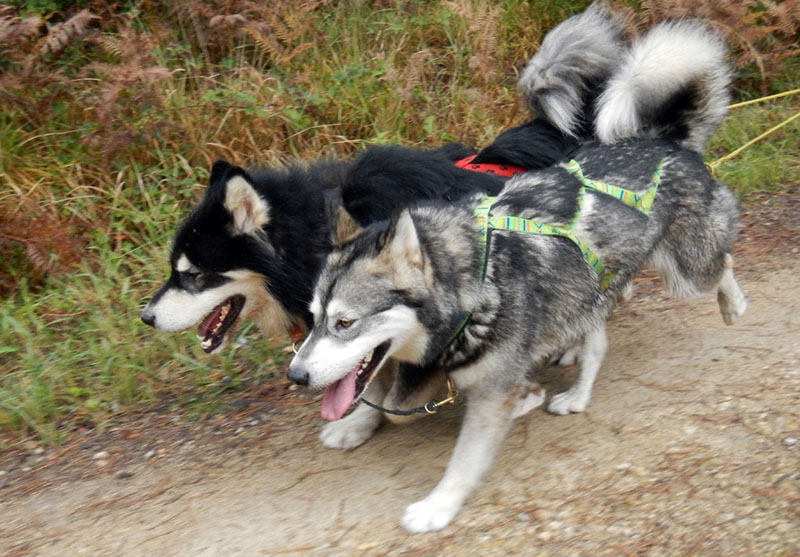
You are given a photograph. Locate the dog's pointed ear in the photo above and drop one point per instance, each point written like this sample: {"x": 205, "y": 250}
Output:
{"x": 249, "y": 211}
{"x": 343, "y": 226}
{"x": 402, "y": 248}
{"x": 404, "y": 243}
{"x": 218, "y": 171}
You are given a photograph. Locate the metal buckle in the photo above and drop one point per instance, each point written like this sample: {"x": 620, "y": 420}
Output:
{"x": 452, "y": 393}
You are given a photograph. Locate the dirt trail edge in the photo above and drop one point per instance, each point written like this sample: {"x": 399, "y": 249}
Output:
{"x": 689, "y": 447}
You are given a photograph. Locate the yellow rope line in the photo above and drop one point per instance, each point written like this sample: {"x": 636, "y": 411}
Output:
{"x": 732, "y": 154}
{"x": 713, "y": 165}
{"x": 770, "y": 97}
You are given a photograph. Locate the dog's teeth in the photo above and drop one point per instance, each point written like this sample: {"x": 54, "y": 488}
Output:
{"x": 206, "y": 343}
{"x": 365, "y": 362}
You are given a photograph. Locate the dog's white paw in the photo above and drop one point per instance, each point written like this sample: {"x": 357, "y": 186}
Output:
{"x": 429, "y": 515}
{"x": 731, "y": 305}
{"x": 349, "y": 432}
{"x": 568, "y": 402}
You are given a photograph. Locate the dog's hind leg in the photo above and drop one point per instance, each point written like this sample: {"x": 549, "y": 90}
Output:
{"x": 352, "y": 430}
{"x": 732, "y": 303}
{"x": 707, "y": 273}
{"x": 572, "y": 355}
{"x": 531, "y": 397}
{"x": 486, "y": 422}
{"x": 627, "y": 294}
{"x": 577, "y": 397}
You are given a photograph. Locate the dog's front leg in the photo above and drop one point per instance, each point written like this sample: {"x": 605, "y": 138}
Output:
{"x": 486, "y": 422}
{"x": 354, "y": 429}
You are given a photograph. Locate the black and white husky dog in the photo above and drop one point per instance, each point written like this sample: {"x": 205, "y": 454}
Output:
{"x": 487, "y": 288}
{"x": 256, "y": 242}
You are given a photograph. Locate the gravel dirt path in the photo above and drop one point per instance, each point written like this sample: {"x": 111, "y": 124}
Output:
{"x": 690, "y": 446}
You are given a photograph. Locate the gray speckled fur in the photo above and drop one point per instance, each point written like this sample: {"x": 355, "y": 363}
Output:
{"x": 408, "y": 284}
{"x": 554, "y": 294}
{"x": 578, "y": 54}
{"x": 539, "y": 296}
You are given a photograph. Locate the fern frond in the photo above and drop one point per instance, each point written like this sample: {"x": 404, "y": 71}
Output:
{"x": 286, "y": 58}
{"x": 12, "y": 28}
{"x": 62, "y": 34}
{"x": 266, "y": 43}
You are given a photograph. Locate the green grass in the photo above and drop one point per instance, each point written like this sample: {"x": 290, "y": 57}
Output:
{"x": 76, "y": 352}
{"x": 771, "y": 164}
{"x": 112, "y": 157}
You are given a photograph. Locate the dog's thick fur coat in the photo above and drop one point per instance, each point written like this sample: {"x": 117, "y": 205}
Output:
{"x": 402, "y": 289}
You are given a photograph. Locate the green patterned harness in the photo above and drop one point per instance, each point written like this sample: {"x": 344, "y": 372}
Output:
{"x": 640, "y": 202}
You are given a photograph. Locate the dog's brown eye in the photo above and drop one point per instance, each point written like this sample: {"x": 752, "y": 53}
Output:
{"x": 344, "y": 323}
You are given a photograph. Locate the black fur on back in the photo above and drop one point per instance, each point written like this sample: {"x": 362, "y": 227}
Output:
{"x": 292, "y": 249}
{"x": 513, "y": 146}
{"x": 382, "y": 179}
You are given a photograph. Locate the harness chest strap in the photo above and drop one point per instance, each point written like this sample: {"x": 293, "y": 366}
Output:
{"x": 486, "y": 222}
{"x": 641, "y": 202}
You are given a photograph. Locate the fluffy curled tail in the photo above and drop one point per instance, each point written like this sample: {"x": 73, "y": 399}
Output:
{"x": 673, "y": 82}
{"x": 577, "y": 57}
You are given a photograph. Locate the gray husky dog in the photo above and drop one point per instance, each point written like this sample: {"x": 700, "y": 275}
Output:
{"x": 486, "y": 289}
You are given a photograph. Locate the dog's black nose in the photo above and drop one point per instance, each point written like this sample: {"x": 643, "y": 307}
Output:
{"x": 299, "y": 376}
{"x": 149, "y": 317}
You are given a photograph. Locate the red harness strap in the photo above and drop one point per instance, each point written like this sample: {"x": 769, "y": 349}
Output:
{"x": 498, "y": 169}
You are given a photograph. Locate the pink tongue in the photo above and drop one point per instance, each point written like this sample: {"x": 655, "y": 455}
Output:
{"x": 339, "y": 396}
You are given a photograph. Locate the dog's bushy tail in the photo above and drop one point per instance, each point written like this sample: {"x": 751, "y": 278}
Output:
{"x": 673, "y": 82}
{"x": 576, "y": 58}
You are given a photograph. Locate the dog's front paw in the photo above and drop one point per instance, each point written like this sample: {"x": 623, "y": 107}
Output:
{"x": 568, "y": 402}
{"x": 429, "y": 515}
{"x": 350, "y": 432}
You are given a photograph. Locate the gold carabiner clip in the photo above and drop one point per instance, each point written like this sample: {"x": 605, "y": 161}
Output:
{"x": 452, "y": 393}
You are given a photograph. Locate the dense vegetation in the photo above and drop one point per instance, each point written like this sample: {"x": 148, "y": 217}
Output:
{"x": 112, "y": 112}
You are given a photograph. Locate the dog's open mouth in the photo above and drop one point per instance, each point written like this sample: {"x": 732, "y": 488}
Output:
{"x": 216, "y": 324}
{"x": 346, "y": 391}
